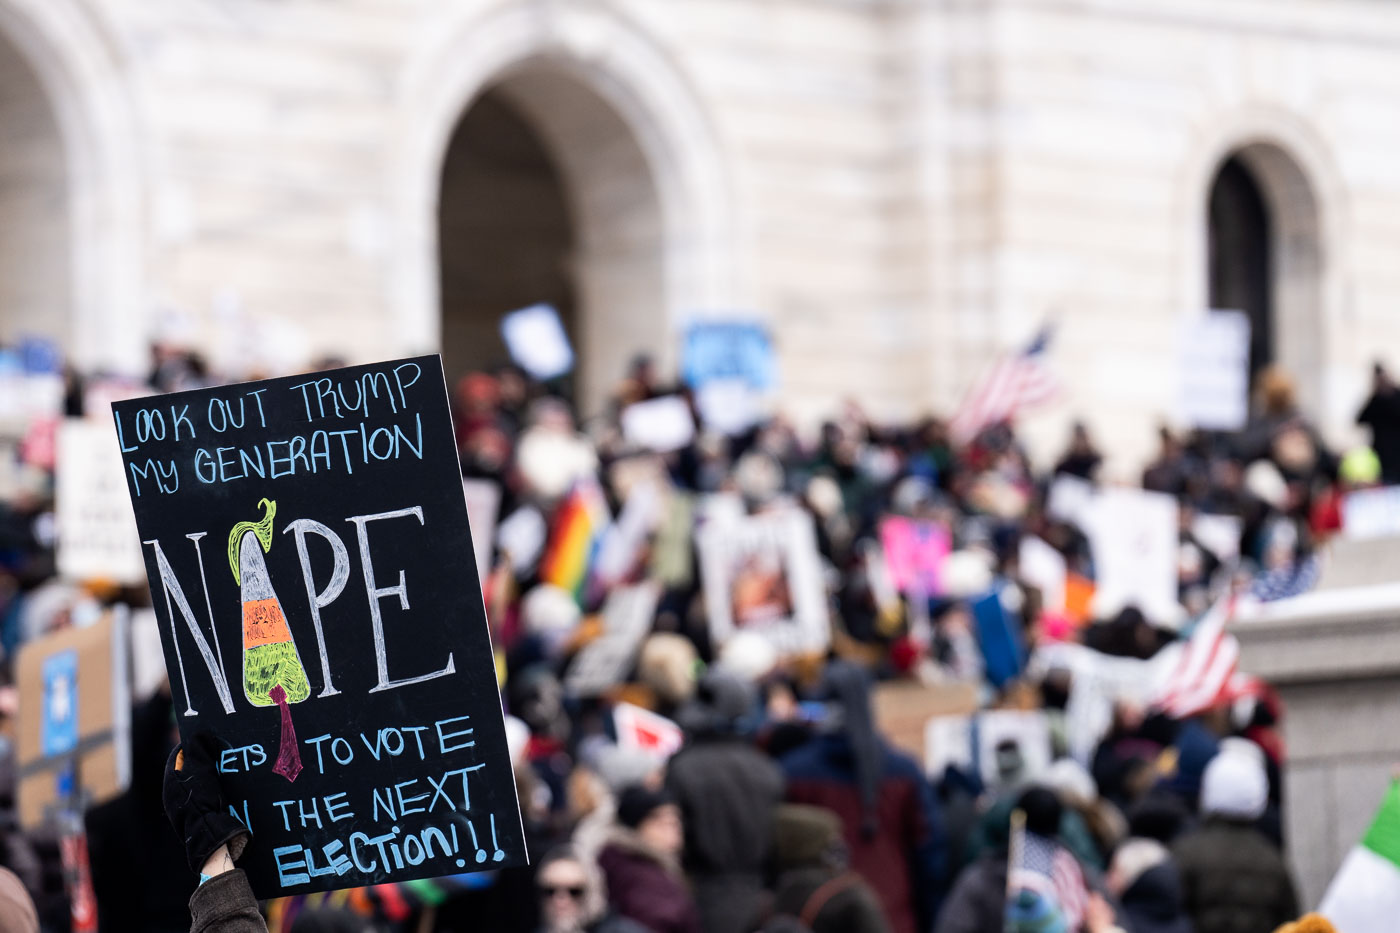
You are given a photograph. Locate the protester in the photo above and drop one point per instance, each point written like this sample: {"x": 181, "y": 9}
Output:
{"x": 888, "y": 816}
{"x": 1233, "y": 878}
{"x": 728, "y": 792}
{"x": 1146, "y": 882}
{"x": 641, "y": 862}
{"x": 1381, "y": 414}
{"x": 815, "y": 884}
{"x": 572, "y": 896}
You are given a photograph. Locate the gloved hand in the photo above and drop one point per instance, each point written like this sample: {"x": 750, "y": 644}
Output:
{"x": 195, "y": 803}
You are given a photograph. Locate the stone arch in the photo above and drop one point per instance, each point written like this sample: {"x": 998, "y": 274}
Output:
{"x": 70, "y": 58}
{"x": 553, "y": 63}
{"x": 1302, "y": 201}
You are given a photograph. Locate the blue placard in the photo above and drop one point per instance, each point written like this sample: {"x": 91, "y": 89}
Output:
{"x": 58, "y": 729}
{"x": 1002, "y": 650}
{"x": 735, "y": 350}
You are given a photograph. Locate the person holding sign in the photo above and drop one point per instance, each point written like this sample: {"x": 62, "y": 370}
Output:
{"x": 213, "y": 838}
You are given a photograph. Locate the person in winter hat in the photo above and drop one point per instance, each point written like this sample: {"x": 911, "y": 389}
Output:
{"x": 1148, "y": 885}
{"x": 889, "y": 819}
{"x": 641, "y": 862}
{"x": 727, "y": 791}
{"x": 815, "y": 884}
{"x": 1233, "y": 878}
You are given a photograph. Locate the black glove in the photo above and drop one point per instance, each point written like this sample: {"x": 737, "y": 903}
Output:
{"x": 195, "y": 804}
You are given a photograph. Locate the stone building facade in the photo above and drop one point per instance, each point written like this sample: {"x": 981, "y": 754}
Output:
{"x": 903, "y": 188}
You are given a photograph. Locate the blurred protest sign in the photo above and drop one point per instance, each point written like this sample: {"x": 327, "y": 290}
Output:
{"x": 642, "y": 730}
{"x": 521, "y": 537}
{"x": 1368, "y": 514}
{"x": 999, "y": 636}
{"x": 762, "y": 573}
{"x": 1220, "y": 534}
{"x": 73, "y": 745}
{"x": 605, "y": 661}
{"x": 661, "y": 424}
{"x": 483, "y": 505}
{"x": 536, "y": 340}
{"x": 1043, "y": 567}
{"x": 914, "y": 553}
{"x": 625, "y": 539}
{"x": 903, "y": 708}
{"x": 1213, "y": 369}
{"x": 97, "y": 537}
{"x": 1069, "y": 498}
{"x": 1003, "y": 747}
{"x": 1133, "y": 537}
{"x": 362, "y": 724}
{"x": 730, "y": 363}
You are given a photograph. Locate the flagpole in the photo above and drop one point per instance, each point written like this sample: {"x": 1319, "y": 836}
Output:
{"x": 1014, "y": 853}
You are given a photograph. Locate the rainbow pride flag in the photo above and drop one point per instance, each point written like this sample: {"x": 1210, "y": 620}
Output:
{"x": 578, "y": 530}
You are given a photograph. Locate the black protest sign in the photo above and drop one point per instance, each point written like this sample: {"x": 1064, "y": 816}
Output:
{"x": 311, "y": 565}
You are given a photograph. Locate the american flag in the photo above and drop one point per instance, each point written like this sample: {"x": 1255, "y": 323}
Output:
{"x": 1016, "y": 382}
{"x": 1047, "y": 868}
{"x": 1293, "y": 579}
{"x": 1208, "y": 664}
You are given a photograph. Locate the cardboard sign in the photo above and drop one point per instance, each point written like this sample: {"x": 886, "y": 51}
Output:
{"x": 915, "y": 552}
{"x": 483, "y": 505}
{"x": 536, "y": 340}
{"x": 73, "y": 744}
{"x": 309, "y": 555}
{"x": 646, "y": 731}
{"x": 1133, "y": 537}
{"x": 903, "y": 708}
{"x": 661, "y": 424}
{"x": 1213, "y": 370}
{"x": 762, "y": 573}
{"x": 97, "y": 537}
{"x": 605, "y": 661}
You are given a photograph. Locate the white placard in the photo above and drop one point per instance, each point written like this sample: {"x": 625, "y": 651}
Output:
{"x": 646, "y": 731}
{"x": 1371, "y": 513}
{"x": 483, "y": 506}
{"x": 1220, "y": 534}
{"x": 536, "y": 340}
{"x": 971, "y": 741}
{"x": 1214, "y": 370}
{"x": 1133, "y": 538}
{"x": 1043, "y": 567}
{"x": 521, "y": 537}
{"x": 97, "y": 536}
{"x": 762, "y": 573}
{"x": 661, "y": 424}
{"x": 1069, "y": 498}
{"x": 605, "y": 661}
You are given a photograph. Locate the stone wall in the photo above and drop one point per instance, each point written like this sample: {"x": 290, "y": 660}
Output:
{"x": 906, "y": 188}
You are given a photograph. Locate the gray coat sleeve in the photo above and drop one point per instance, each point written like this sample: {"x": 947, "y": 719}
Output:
{"x": 225, "y": 904}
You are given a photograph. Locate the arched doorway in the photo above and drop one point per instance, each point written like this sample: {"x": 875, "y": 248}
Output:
{"x": 547, "y": 196}
{"x": 1264, "y": 257}
{"x": 36, "y": 297}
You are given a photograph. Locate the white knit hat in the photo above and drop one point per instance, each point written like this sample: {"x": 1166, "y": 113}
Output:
{"x": 1235, "y": 784}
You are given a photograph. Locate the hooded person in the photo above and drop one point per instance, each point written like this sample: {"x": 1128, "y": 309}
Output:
{"x": 815, "y": 884}
{"x": 889, "y": 819}
{"x": 1148, "y": 885}
{"x": 1234, "y": 879}
{"x": 727, "y": 791}
{"x": 641, "y": 862}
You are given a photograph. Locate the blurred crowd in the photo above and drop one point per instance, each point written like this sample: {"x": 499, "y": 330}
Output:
{"x": 788, "y": 806}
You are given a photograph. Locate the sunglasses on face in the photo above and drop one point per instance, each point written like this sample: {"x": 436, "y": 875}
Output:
{"x": 574, "y": 891}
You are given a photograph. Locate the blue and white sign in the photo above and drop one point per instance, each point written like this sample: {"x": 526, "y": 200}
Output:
{"x": 58, "y": 729}
{"x": 537, "y": 342}
{"x": 738, "y": 350}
